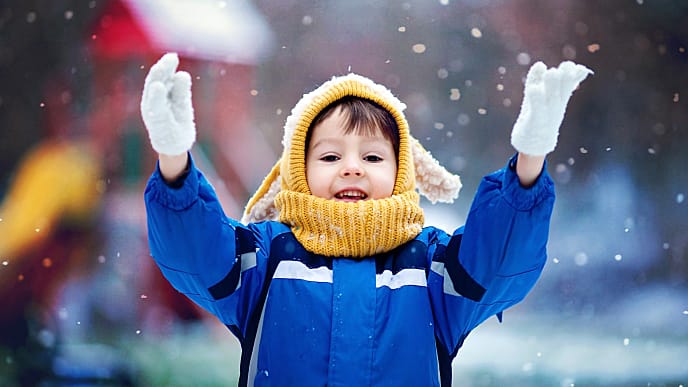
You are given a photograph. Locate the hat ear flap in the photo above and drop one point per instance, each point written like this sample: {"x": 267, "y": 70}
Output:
{"x": 433, "y": 181}
{"x": 261, "y": 206}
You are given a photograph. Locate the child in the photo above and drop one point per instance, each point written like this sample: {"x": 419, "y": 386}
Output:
{"x": 331, "y": 278}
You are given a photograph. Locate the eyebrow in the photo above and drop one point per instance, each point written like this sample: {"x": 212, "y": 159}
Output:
{"x": 336, "y": 140}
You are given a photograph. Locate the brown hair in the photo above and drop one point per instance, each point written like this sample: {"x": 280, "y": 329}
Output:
{"x": 361, "y": 116}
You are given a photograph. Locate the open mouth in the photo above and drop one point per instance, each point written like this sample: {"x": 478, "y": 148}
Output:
{"x": 350, "y": 195}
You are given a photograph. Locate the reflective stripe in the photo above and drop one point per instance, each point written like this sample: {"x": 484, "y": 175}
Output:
{"x": 253, "y": 364}
{"x": 447, "y": 283}
{"x": 248, "y": 260}
{"x": 406, "y": 277}
{"x": 297, "y": 270}
{"x": 437, "y": 267}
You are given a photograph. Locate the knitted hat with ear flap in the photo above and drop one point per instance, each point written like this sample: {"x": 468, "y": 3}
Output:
{"x": 284, "y": 194}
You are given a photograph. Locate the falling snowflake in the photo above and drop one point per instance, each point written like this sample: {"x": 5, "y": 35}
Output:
{"x": 523, "y": 59}
{"x": 454, "y": 94}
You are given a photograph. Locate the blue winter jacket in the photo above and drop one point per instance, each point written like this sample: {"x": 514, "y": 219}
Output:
{"x": 395, "y": 319}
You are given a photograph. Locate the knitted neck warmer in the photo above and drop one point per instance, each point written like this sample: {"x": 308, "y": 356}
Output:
{"x": 344, "y": 229}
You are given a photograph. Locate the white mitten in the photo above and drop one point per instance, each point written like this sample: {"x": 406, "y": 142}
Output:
{"x": 546, "y": 93}
{"x": 166, "y": 107}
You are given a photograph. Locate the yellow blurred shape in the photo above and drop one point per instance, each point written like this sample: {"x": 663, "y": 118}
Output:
{"x": 56, "y": 180}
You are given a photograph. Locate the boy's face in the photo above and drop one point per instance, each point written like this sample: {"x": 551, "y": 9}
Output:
{"x": 349, "y": 167}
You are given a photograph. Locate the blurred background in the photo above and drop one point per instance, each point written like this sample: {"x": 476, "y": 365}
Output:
{"x": 83, "y": 304}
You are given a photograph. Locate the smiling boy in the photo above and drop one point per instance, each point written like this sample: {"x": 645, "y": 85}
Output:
{"x": 332, "y": 278}
{"x": 351, "y": 152}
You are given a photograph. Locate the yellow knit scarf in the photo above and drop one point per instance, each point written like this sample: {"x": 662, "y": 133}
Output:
{"x": 345, "y": 229}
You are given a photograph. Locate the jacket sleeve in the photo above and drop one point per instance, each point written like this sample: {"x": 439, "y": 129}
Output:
{"x": 215, "y": 261}
{"x": 493, "y": 261}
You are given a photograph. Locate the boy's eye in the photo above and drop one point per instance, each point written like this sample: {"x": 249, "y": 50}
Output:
{"x": 373, "y": 158}
{"x": 329, "y": 158}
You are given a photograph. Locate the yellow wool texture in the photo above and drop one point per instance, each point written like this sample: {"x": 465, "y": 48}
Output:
{"x": 354, "y": 230}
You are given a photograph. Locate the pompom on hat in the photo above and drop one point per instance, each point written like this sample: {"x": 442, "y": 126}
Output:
{"x": 417, "y": 169}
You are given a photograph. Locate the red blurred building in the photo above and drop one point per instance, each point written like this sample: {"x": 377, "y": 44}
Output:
{"x": 61, "y": 236}
{"x": 219, "y": 43}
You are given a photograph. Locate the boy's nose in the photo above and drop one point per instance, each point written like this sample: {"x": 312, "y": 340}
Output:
{"x": 352, "y": 172}
{"x": 352, "y": 168}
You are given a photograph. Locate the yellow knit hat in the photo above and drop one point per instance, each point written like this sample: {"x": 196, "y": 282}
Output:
{"x": 415, "y": 164}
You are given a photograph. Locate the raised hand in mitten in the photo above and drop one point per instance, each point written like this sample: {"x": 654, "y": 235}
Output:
{"x": 546, "y": 94}
{"x": 166, "y": 107}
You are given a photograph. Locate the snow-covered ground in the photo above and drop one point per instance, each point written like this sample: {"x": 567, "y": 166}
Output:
{"x": 529, "y": 350}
